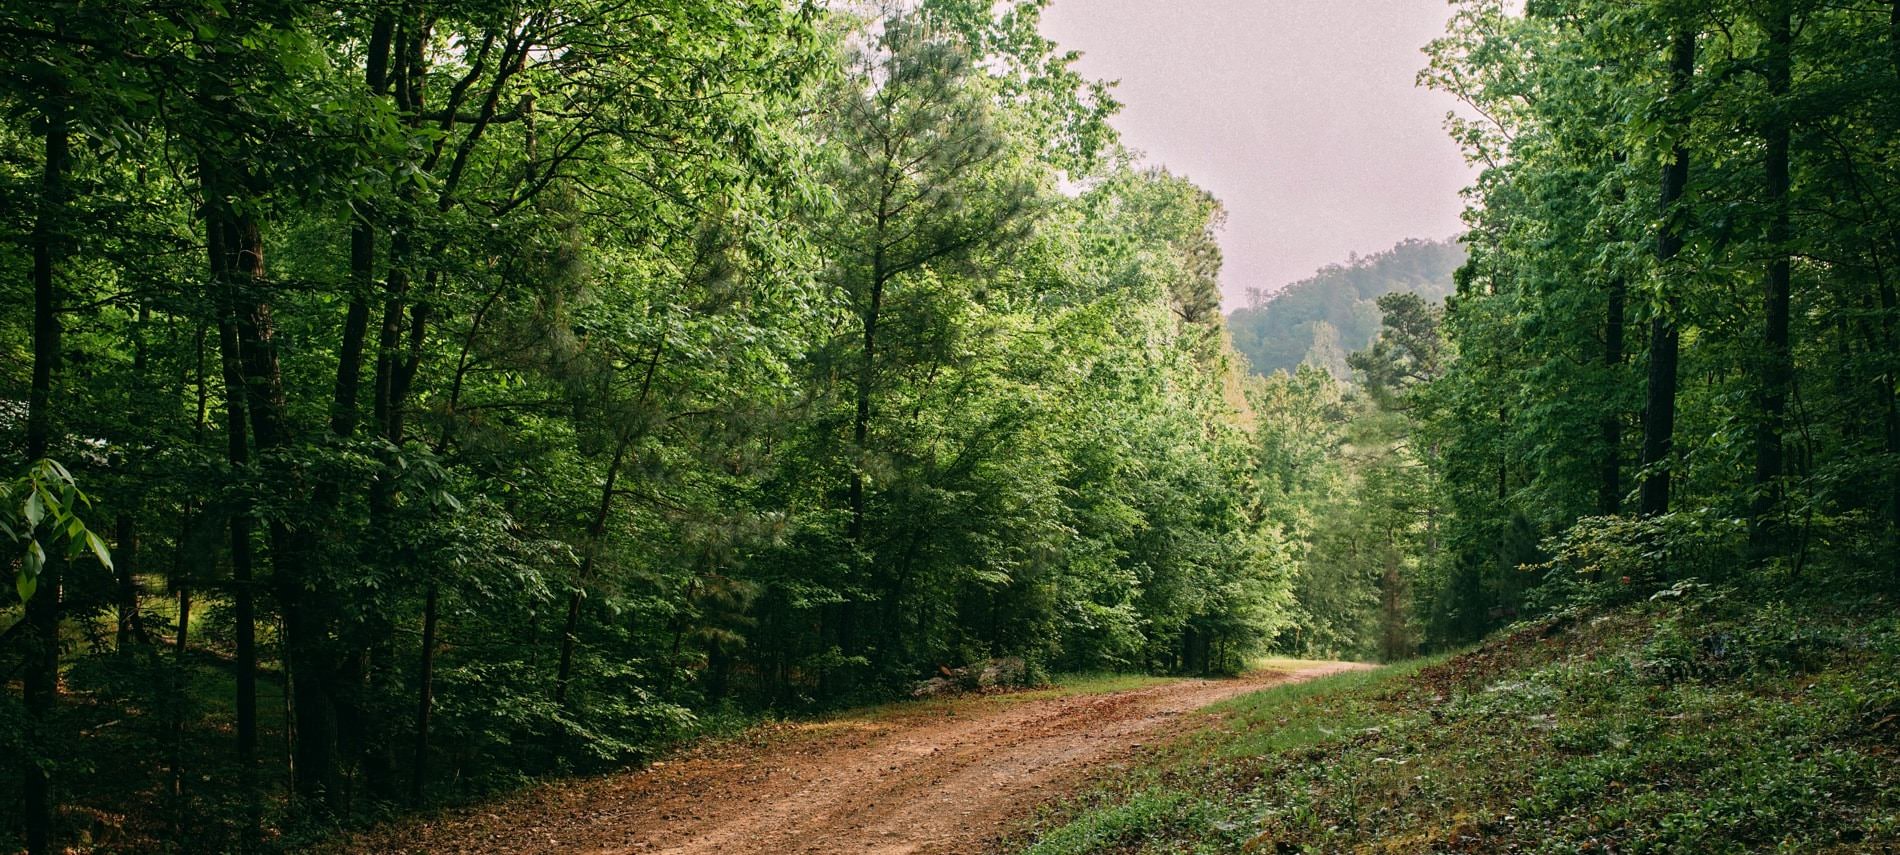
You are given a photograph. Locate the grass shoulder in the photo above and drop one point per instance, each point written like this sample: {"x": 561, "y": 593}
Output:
{"x": 1687, "y": 724}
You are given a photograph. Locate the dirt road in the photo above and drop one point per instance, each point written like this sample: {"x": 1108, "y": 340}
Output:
{"x": 934, "y": 779}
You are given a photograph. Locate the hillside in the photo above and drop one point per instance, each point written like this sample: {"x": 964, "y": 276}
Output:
{"x": 1696, "y": 721}
{"x": 1320, "y": 319}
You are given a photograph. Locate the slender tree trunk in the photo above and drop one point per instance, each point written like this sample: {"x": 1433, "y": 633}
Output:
{"x": 1610, "y": 427}
{"x": 843, "y": 623}
{"x": 243, "y": 576}
{"x": 125, "y": 559}
{"x": 181, "y": 642}
{"x": 182, "y": 583}
{"x": 597, "y": 529}
{"x": 570, "y": 630}
{"x": 1665, "y": 337}
{"x": 1890, "y": 401}
{"x": 379, "y": 744}
{"x": 1777, "y": 370}
{"x": 425, "y": 680}
{"x": 125, "y": 549}
{"x": 1610, "y": 489}
{"x": 1392, "y": 607}
{"x": 1889, "y": 305}
{"x": 345, "y": 406}
{"x": 396, "y": 56}
{"x": 251, "y": 331}
{"x": 40, "y": 685}
{"x": 861, "y": 422}
{"x": 425, "y": 697}
{"x": 349, "y": 372}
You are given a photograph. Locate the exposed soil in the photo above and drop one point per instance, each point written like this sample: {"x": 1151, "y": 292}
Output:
{"x": 942, "y": 778}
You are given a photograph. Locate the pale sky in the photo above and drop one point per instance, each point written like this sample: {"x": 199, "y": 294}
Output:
{"x": 1301, "y": 115}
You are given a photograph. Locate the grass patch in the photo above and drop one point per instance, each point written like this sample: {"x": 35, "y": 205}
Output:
{"x": 1688, "y": 724}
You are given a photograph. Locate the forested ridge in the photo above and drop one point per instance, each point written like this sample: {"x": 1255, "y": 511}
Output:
{"x": 1321, "y": 319}
{"x": 405, "y": 400}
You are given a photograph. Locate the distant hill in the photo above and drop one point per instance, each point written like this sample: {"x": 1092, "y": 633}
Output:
{"x": 1320, "y": 319}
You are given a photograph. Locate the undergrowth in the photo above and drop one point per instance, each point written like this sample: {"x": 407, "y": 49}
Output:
{"x": 1695, "y": 721}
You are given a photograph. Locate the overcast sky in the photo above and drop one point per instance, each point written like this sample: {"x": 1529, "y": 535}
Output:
{"x": 1301, "y": 115}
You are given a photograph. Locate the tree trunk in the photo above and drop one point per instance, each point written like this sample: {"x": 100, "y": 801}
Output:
{"x": 843, "y": 621}
{"x": 1392, "y": 608}
{"x": 861, "y": 421}
{"x": 425, "y": 688}
{"x": 238, "y": 452}
{"x": 1889, "y": 305}
{"x": 125, "y": 550}
{"x": 425, "y": 697}
{"x": 595, "y": 530}
{"x": 1777, "y": 370}
{"x": 349, "y": 371}
{"x": 1665, "y": 337}
{"x": 40, "y": 685}
{"x": 1610, "y": 487}
{"x": 1890, "y": 402}
{"x": 370, "y": 657}
{"x": 346, "y": 395}
{"x": 125, "y": 558}
{"x": 238, "y": 252}
{"x": 182, "y": 583}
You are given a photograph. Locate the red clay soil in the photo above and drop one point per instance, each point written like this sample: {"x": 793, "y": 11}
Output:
{"x": 937, "y": 779}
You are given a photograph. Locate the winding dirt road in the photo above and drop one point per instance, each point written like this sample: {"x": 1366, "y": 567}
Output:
{"x": 936, "y": 779}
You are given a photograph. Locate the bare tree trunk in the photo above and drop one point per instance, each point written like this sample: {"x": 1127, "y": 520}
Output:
{"x": 1392, "y": 608}
{"x": 843, "y": 623}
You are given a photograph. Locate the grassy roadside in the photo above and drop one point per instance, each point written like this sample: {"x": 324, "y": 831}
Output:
{"x": 1691, "y": 723}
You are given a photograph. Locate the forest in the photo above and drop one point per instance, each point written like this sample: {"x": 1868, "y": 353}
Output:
{"x": 1671, "y": 354}
{"x": 406, "y": 400}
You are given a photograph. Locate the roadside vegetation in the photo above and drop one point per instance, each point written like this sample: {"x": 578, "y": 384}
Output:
{"x": 1696, "y": 720}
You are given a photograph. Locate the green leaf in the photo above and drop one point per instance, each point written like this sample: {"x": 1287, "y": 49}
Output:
{"x": 99, "y": 551}
{"x": 35, "y": 509}
{"x": 34, "y": 560}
